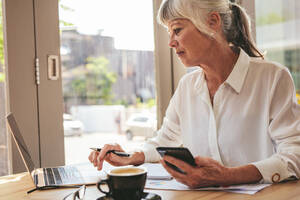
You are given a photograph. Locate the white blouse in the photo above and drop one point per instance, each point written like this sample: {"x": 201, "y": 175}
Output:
{"x": 254, "y": 119}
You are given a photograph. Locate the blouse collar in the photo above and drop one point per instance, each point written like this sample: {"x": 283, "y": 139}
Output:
{"x": 237, "y": 77}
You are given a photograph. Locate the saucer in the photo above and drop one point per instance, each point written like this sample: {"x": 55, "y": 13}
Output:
{"x": 146, "y": 196}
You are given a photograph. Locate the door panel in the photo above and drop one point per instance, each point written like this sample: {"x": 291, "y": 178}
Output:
{"x": 49, "y": 91}
{"x": 20, "y": 79}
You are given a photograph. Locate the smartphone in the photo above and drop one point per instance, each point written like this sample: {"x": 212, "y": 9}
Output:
{"x": 181, "y": 153}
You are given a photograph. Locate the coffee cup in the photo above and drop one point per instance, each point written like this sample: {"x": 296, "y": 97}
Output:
{"x": 125, "y": 183}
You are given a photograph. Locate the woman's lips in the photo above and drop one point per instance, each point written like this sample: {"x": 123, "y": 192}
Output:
{"x": 180, "y": 53}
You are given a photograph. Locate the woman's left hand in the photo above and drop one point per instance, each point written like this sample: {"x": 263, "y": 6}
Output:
{"x": 208, "y": 172}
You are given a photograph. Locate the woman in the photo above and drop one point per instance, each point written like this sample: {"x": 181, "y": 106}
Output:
{"x": 237, "y": 113}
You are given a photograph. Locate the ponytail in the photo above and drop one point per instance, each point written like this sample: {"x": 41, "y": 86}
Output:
{"x": 239, "y": 34}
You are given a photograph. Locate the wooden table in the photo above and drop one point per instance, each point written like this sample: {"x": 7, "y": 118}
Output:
{"x": 14, "y": 187}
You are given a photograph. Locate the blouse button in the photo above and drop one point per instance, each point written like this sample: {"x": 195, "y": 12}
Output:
{"x": 276, "y": 178}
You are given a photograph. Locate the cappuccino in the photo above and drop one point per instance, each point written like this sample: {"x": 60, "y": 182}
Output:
{"x": 127, "y": 171}
{"x": 125, "y": 183}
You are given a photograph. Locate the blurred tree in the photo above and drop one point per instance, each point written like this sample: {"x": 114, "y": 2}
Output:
{"x": 62, "y": 22}
{"x": 93, "y": 83}
{"x": 271, "y": 18}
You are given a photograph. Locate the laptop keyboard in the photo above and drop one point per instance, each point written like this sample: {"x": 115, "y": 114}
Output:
{"x": 57, "y": 176}
{"x": 50, "y": 177}
{"x": 62, "y": 175}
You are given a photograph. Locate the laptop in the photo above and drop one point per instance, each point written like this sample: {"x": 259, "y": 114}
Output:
{"x": 72, "y": 175}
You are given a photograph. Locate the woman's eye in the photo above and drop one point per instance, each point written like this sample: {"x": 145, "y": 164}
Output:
{"x": 177, "y": 30}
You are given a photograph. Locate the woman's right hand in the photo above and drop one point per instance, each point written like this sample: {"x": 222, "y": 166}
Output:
{"x": 97, "y": 158}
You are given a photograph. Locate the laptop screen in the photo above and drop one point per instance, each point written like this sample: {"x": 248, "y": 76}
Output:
{"x": 19, "y": 140}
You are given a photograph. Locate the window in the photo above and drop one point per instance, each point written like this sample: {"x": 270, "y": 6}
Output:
{"x": 277, "y": 28}
{"x": 108, "y": 72}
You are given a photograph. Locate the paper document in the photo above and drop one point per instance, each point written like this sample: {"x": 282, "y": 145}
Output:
{"x": 156, "y": 172}
{"x": 159, "y": 171}
{"x": 174, "y": 185}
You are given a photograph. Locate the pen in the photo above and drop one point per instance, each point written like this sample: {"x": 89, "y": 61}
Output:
{"x": 118, "y": 153}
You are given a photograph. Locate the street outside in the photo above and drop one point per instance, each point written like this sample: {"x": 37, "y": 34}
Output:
{"x": 77, "y": 147}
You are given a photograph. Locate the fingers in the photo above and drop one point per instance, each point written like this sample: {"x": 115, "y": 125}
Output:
{"x": 103, "y": 153}
{"x": 203, "y": 175}
{"x": 178, "y": 163}
{"x": 93, "y": 157}
{"x": 171, "y": 171}
{"x": 192, "y": 178}
{"x": 97, "y": 158}
{"x": 115, "y": 160}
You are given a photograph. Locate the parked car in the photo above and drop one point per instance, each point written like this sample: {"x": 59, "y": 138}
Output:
{"x": 72, "y": 127}
{"x": 141, "y": 124}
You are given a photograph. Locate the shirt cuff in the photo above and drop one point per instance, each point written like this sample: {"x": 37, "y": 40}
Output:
{"x": 150, "y": 153}
{"x": 273, "y": 169}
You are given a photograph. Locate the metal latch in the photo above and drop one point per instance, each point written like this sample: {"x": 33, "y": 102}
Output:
{"x": 53, "y": 67}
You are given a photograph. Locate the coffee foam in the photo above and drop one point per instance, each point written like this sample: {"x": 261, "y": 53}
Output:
{"x": 127, "y": 171}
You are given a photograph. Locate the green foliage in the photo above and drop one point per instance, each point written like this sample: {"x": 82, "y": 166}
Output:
{"x": 2, "y": 77}
{"x": 139, "y": 103}
{"x": 271, "y": 18}
{"x": 121, "y": 102}
{"x": 94, "y": 82}
{"x": 149, "y": 104}
{"x": 62, "y": 22}
{"x": 66, "y": 8}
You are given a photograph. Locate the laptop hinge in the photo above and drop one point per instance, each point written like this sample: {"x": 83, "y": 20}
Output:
{"x": 34, "y": 175}
{"x": 36, "y": 179}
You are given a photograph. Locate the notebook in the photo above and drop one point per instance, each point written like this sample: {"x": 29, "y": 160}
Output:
{"x": 55, "y": 176}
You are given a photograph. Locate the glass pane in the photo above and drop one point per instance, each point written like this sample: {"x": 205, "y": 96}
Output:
{"x": 3, "y": 132}
{"x": 108, "y": 74}
{"x": 277, "y": 28}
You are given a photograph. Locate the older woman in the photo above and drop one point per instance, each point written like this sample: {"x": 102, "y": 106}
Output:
{"x": 237, "y": 113}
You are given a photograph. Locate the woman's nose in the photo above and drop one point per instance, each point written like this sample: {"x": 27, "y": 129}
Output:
{"x": 173, "y": 43}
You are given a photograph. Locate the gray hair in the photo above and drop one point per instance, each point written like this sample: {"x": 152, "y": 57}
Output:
{"x": 236, "y": 23}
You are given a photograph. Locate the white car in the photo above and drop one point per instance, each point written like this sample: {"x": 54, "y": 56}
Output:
{"x": 141, "y": 124}
{"x": 72, "y": 127}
